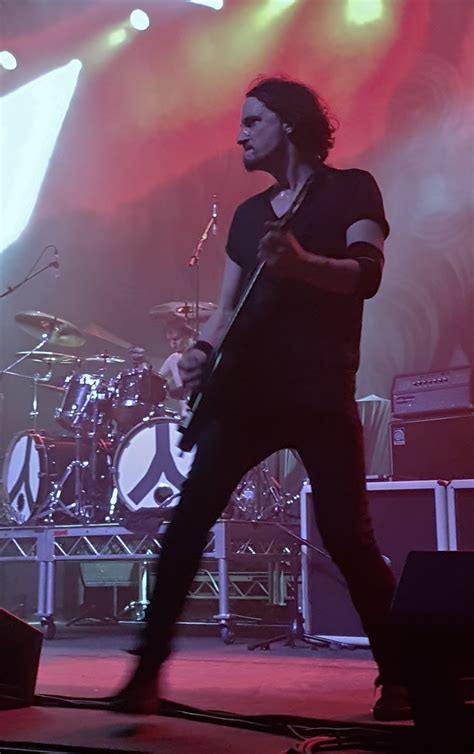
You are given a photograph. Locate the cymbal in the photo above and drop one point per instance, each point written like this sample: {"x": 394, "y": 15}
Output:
{"x": 61, "y": 332}
{"x": 49, "y": 357}
{"x": 104, "y": 358}
{"x": 183, "y": 309}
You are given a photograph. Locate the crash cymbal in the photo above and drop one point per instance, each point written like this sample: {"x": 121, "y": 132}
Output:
{"x": 104, "y": 358}
{"x": 49, "y": 357}
{"x": 183, "y": 309}
{"x": 60, "y": 332}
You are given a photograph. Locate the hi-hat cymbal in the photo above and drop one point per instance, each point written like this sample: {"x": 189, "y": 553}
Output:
{"x": 183, "y": 309}
{"x": 104, "y": 358}
{"x": 59, "y": 331}
{"x": 49, "y": 357}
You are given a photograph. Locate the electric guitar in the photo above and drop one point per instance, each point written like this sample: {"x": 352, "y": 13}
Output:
{"x": 214, "y": 377}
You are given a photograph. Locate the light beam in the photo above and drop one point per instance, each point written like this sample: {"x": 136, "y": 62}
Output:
{"x": 30, "y": 121}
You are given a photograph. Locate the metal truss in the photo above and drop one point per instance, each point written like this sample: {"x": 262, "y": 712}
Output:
{"x": 249, "y": 545}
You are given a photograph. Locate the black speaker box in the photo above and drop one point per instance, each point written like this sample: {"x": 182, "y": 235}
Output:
{"x": 440, "y": 447}
{"x": 406, "y": 516}
{"x": 433, "y": 625}
{"x": 20, "y": 649}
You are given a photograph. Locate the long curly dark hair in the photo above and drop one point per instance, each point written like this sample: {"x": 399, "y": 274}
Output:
{"x": 301, "y": 108}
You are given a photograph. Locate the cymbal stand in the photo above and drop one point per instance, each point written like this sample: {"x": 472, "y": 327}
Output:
{"x": 34, "y": 413}
{"x": 35, "y": 378}
{"x": 88, "y": 508}
{"x": 44, "y": 339}
{"x": 53, "y": 501}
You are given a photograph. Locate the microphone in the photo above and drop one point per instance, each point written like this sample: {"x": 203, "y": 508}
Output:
{"x": 214, "y": 215}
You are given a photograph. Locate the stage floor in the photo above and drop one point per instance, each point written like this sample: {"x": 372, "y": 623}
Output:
{"x": 90, "y": 662}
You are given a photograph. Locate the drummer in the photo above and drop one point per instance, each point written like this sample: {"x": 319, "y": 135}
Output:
{"x": 180, "y": 337}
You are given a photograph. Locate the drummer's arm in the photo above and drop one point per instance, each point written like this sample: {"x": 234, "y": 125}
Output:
{"x": 165, "y": 369}
{"x": 214, "y": 328}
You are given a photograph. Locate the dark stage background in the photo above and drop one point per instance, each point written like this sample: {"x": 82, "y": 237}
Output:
{"x": 149, "y": 137}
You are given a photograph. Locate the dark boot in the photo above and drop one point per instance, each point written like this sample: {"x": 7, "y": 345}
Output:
{"x": 140, "y": 695}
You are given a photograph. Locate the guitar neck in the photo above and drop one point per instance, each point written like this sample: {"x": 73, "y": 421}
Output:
{"x": 282, "y": 224}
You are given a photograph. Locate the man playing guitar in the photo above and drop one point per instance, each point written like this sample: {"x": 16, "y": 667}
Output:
{"x": 320, "y": 234}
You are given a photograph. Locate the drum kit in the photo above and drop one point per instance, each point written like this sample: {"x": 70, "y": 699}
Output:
{"x": 116, "y": 456}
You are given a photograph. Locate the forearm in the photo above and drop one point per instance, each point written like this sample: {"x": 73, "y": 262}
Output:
{"x": 358, "y": 274}
{"x": 213, "y": 330}
{"x": 335, "y": 275}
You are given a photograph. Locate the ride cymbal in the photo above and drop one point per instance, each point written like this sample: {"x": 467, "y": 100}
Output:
{"x": 59, "y": 331}
{"x": 183, "y": 309}
{"x": 104, "y": 358}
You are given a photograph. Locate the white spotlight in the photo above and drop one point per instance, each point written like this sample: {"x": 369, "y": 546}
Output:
{"x": 216, "y": 4}
{"x": 7, "y": 60}
{"x": 139, "y": 20}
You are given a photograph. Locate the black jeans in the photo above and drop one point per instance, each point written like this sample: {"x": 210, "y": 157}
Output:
{"x": 330, "y": 445}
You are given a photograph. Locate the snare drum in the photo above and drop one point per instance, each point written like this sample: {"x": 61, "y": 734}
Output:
{"x": 148, "y": 461}
{"x": 35, "y": 460}
{"x": 85, "y": 401}
{"x": 136, "y": 394}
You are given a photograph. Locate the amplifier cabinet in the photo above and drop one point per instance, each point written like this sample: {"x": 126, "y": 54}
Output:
{"x": 439, "y": 447}
{"x": 460, "y": 498}
{"x": 406, "y": 516}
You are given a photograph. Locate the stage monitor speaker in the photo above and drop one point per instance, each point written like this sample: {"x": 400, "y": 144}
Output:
{"x": 20, "y": 649}
{"x": 433, "y": 624}
{"x": 406, "y": 516}
{"x": 440, "y": 447}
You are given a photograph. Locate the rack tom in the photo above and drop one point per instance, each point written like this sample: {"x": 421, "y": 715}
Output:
{"x": 136, "y": 394}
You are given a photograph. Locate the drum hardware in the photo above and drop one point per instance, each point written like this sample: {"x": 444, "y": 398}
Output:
{"x": 85, "y": 404}
{"x": 49, "y": 329}
{"x": 104, "y": 359}
{"x": 53, "y": 502}
{"x": 259, "y": 497}
{"x": 38, "y": 475}
{"x": 137, "y": 395}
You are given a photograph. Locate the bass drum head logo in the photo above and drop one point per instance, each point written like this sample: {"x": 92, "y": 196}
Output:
{"x": 147, "y": 459}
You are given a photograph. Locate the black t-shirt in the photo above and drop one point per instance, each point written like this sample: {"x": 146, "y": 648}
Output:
{"x": 292, "y": 332}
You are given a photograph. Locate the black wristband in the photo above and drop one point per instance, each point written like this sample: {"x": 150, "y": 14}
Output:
{"x": 204, "y": 346}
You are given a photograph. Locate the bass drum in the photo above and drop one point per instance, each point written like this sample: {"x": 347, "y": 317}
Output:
{"x": 148, "y": 466}
{"x": 34, "y": 461}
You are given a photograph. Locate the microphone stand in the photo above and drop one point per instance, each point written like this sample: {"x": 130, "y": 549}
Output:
{"x": 12, "y": 288}
{"x": 194, "y": 262}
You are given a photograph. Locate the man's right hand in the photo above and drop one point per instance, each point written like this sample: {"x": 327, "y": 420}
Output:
{"x": 191, "y": 367}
